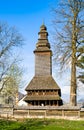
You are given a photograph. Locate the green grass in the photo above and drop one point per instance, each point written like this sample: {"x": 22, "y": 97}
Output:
{"x": 41, "y": 124}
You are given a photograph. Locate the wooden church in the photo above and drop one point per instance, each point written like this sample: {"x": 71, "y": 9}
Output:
{"x": 42, "y": 89}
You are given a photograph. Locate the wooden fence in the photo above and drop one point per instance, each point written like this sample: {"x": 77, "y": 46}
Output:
{"x": 41, "y": 112}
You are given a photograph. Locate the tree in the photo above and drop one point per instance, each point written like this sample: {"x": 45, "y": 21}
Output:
{"x": 10, "y": 39}
{"x": 69, "y": 37}
{"x": 11, "y": 83}
{"x": 81, "y": 65}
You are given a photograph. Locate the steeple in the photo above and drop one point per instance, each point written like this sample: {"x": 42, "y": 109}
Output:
{"x": 43, "y": 54}
{"x": 43, "y": 43}
{"x": 43, "y": 32}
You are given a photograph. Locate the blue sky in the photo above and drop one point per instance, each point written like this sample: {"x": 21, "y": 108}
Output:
{"x": 27, "y": 16}
{"x": 23, "y": 6}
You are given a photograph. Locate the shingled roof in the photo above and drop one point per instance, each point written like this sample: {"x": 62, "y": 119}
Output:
{"x": 42, "y": 97}
{"x": 42, "y": 83}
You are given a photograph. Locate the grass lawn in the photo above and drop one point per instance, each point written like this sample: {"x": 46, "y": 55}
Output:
{"x": 41, "y": 124}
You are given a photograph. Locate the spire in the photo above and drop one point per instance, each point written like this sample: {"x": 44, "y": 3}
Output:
{"x": 43, "y": 23}
{"x": 43, "y": 43}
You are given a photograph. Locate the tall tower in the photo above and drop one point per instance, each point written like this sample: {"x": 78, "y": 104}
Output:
{"x": 42, "y": 89}
{"x": 43, "y": 54}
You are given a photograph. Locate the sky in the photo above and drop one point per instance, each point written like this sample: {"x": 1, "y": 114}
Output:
{"x": 27, "y": 16}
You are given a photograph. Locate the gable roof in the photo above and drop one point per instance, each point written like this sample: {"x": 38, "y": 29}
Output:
{"x": 42, "y": 83}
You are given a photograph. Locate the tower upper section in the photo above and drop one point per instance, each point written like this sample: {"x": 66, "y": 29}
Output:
{"x": 43, "y": 44}
{"x": 43, "y": 54}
